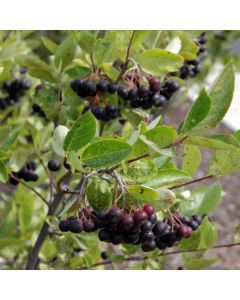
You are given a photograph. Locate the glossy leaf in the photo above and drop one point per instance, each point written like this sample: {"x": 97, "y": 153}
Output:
{"x": 105, "y": 153}
{"x": 159, "y": 62}
{"x": 81, "y": 133}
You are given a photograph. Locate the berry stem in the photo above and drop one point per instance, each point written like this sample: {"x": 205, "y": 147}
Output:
{"x": 92, "y": 61}
{"x": 191, "y": 182}
{"x": 125, "y": 65}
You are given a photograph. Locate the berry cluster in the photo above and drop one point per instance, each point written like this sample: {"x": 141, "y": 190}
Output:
{"x": 138, "y": 95}
{"x": 191, "y": 67}
{"x": 91, "y": 89}
{"x": 26, "y": 173}
{"x": 141, "y": 227}
{"x": 15, "y": 90}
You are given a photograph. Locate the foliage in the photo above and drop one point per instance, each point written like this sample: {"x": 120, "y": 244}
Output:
{"x": 141, "y": 152}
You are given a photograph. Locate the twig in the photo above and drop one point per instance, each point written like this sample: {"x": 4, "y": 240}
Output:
{"x": 191, "y": 182}
{"x": 29, "y": 187}
{"x": 140, "y": 258}
{"x": 125, "y": 65}
{"x": 138, "y": 158}
{"x": 33, "y": 256}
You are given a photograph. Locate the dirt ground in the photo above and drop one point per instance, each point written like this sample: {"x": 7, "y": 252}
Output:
{"x": 227, "y": 215}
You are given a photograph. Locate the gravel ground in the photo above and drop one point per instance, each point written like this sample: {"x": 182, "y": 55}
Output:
{"x": 227, "y": 215}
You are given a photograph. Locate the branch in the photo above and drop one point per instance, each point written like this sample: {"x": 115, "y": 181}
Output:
{"x": 191, "y": 182}
{"x": 125, "y": 65}
{"x": 33, "y": 256}
{"x": 29, "y": 187}
{"x": 145, "y": 257}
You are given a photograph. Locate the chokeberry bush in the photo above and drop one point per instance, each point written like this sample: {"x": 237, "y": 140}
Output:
{"x": 91, "y": 173}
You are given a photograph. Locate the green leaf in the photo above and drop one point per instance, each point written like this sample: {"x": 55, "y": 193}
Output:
{"x": 208, "y": 234}
{"x": 203, "y": 200}
{"x": 99, "y": 194}
{"x": 105, "y": 153}
{"x": 81, "y": 133}
{"x": 159, "y": 62}
{"x": 3, "y": 155}
{"x": 49, "y": 44}
{"x": 144, "y": 193}
{"x": 224, "y": 163}
{"x": 49, "y": 249}
{"x": 211, "y": 143}
{"x": 197, "y": 112}
{"x": 65, "y": 53}
{"x": 162, "y": 136}
{"x": 221, "y": 95}
{"x": 168, "y": 178}
{"x": 86, "y": 40}
{"x": 211, "y": 199}
{"x": 134, "y": 116}
{"x": 189, "y": 48}
{"x": 74, "y": 161}
{"x": 8, "y": 135}
{"x": 140, "y": 171}
{"x": 191, "y": 159}
{"x": 59, "y": 135}
{"x": 3, "y": 172}
{"x": 110, "y": 71}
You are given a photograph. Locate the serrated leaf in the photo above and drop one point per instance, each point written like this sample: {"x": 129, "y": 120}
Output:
{"x": 168, "y": 178}
{"x": 8, "y": 135}
{"x": 198, "y": 111}
{"x": 105, "y": 153}
{"x": 191, "y": 159}
{"x": 81, "y": 133}
{"x": 159, "y": 62}
{"x": 59, "y": 135}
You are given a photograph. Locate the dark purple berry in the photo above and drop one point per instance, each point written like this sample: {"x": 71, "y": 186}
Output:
{"x": 102, "y": 86}
{"x": 184, "y": 231}
{"x": 117, "y": 238}
{"x": 139, "y": 217}
{"x": 158, "y": 100}
{"x": 104, "y": 255}
{"x": 197, "y": 219}
{"x": 89, "y": 226}
{"x": 66, "y": 165}
{"x": 147, "y": 236}
{"x": 194, "y": 225}
{"x": 153, "y": 218}
{"x": 133, "y": 93}
{"x": 143, "y": 91}
{"x": 122, "y": 92}
{"x": 132, "y": 237}
{"x": 160, "y": 228}
{"x": 146, "y": 226}
{"x": 148, "y": 246}
{"x": 104, "y": 235}
{"x": 126, "y": 222}
{"x": 112, "y": 88}
{"x": 76, "y": 85}
{"x": 114, "y": 214}
{"x": 75, "y": 226}
{"x": 64, "y": 226}
{"x": 54, "y": 165}
{"x": 161, "y": 244}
